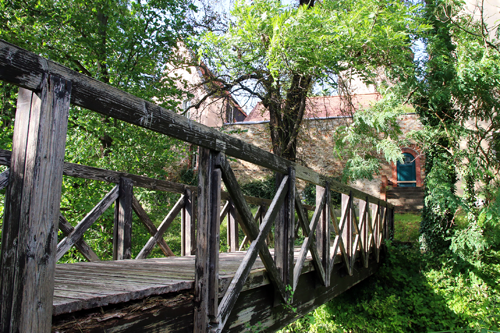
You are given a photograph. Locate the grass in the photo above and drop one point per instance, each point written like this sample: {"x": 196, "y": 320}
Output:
{"x": 406, "y": 227}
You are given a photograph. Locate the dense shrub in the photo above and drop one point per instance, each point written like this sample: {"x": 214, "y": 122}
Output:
{"x": 413, "y": 292}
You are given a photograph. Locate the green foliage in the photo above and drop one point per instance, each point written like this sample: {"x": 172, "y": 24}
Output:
{"x": 277, "y": 53}
{"x": 309, "y": 195}
{"x": 412, "y": 292}
{"x": 129, "y": 45}
{"x": 406, "y": 227}
{"x": 373, "y": 137}
{"x": 265, "y": 188}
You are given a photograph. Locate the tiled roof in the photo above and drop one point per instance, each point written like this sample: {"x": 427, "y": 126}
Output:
{"x": 323, "y": 107}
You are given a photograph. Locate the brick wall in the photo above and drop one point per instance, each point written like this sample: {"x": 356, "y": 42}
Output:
{"x": 315, "y": 149}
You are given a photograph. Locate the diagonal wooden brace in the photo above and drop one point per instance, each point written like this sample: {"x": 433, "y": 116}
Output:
{"x": 146, "y": 250}
{"x": 309, "y": 242}
{"x": 87, "y": 221}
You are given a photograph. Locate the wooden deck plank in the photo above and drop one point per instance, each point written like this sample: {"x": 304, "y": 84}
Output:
{"x": 87, "y": 285}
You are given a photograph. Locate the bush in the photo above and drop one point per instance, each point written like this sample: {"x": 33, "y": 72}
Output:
{"x": 412, "y": 292}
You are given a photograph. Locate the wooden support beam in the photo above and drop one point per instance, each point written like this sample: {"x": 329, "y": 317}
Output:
{"x": 323, "y": 229}
{"x": 146, "y": 250}
{"x": 249, "y": 225}
{"x": 144, "y": 218}
{"x": 27, "y": 69}
{"x": 188, "y": 225}
{"x": 309, "y": 242}
{"x": 87, "y": 221}
{"x": 80, "y": 244}
{"x": 208, "y": 238}
{"x": 32, "y": 202}
{"x": 346, "y": 203}
{"x": 258, "y": 245}
{"x": 232, "y": 228}
{"x": 284, "y": 232}
{"x": 122, "y": 231}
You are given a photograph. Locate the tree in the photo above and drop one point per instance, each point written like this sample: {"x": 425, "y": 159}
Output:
{"x": 277, "y": 53}
{"x": 458, "y": 102}
{"x": 127, "y": 44}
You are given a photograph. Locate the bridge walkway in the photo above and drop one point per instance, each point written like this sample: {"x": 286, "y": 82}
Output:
{"x": 265, "y": 287}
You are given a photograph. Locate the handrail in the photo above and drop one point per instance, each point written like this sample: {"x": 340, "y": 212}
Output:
{"x": 28, "y": 70}
{"x": 88, "y": 172}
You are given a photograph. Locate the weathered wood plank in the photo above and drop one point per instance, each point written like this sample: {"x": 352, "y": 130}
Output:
{"x": 87, "y": 172}
{"x": 284, "y": 231}
{"x": 308, "y": 240}
{"x": 146, "y": 250}
{"x": 81, "y": 245}
{"x": 207, "y": 252}
{"x": 146, "y": 221}
{"x": 232, "y": 228}
{"x": 258, "y": 243}
{"x": 87, "y": 221}
{"x": 122, "y": 231}
{"x": 339, "y": 239}
{"x": 188, "y": 241}
{"x": 258, "y": 220}
{"x": 29, "y": 233}
{"x": 249, "y": 225}
{"x": 27, "y": 69}
{"x": 312, "y": 244}
{"x": 167, "y": 315}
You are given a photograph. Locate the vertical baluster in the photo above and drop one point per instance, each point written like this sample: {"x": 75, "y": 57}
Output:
{"x": 347, "y": 229}
{"x": 232, "y": 228}
{"x": 363, "y": 237}
{"x": 323, "y": 230}
{"x": 285, "y": 231}
{"x": 122, "y": 231}
{"x": 187, "y": 225}
{"x": 208, "y": 238}
{"x": 32, "y": 207}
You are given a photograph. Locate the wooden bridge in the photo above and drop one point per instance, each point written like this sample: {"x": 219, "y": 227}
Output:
{"x": 202, "y": 290}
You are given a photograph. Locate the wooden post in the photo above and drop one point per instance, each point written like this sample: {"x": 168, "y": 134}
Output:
{"x": 32, "y": 207}
{"x": 232, "y": 229}
{"x": 363, "y": 216}
{"x": 122, "y": 238}
{"x": 323, "y": 230}
{"x": 208, "y": 238}
{"x": 187, "y": 225}
{"x": 347, "y": 234}
{"x": 284, "y": 232}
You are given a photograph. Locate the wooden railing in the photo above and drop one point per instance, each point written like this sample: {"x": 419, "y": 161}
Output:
{"x": 124, "y": 199}
{"x": 29, "y": 252}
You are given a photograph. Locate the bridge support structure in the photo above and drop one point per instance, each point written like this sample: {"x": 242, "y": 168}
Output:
{"x": 32, "y": 207}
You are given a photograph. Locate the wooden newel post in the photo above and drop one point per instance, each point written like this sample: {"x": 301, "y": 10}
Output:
{"x": 122, "y": 238}
{"x": 187, "y": 225}
{"x": 208, "y": 238}
{"x": 29, "y": 235}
